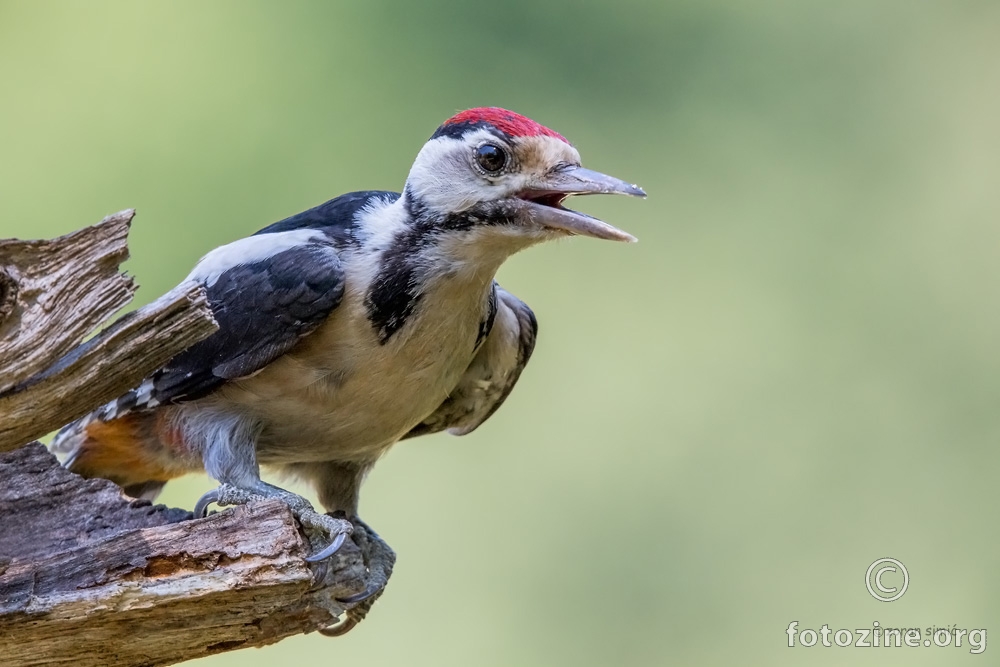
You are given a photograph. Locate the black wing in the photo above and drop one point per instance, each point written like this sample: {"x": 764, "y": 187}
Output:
{"x": 266, "y": 291}
{"x": 263, "y": 308}
{"x": 492, "y": 374}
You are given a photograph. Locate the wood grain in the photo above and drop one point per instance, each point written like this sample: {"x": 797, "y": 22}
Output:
{"x": 89, "y": 576}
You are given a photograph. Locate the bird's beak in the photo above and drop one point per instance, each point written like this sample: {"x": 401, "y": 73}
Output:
{"x": 543, "y": 203}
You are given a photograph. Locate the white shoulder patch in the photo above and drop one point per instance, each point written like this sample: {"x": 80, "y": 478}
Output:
{"x": 380, "y": 220}
{"x": 249, "y": 250}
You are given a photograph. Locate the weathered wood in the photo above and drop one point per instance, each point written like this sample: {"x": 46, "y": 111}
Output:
{"x": 40, "y": 507}
{"x": 73, "y": 280}
{"x": 53, "y": 294}
{"x": 106, "y": 366}
{"x": 90, "y": 577}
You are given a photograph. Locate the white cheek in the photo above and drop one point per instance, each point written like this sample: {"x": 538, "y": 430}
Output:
{"x": 444, "y": 179}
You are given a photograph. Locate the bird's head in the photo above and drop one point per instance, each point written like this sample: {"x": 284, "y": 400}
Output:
{"x": 502, "y": 175}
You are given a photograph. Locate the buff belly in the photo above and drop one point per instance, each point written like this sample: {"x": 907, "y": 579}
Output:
{"x": 355, "y": 400}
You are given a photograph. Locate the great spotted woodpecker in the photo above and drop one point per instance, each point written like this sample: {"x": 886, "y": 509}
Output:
{"x": 372, "y": 318}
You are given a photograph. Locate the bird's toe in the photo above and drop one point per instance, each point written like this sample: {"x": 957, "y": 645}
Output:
{"x": 336, "y": 529}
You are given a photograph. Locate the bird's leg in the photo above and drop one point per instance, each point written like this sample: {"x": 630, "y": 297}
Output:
{"x": 334, "y": 528}
{"x": 338, "y": 485}
{"x": 230, "y": 456}
{"x": 379, "y": 558}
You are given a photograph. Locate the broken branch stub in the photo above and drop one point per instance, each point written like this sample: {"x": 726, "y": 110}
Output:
{"x": 89, "y": 576}
{"x": 53, "y": 294}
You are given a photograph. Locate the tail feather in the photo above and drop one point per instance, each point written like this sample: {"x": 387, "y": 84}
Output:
{"x": 70, "y": 437}
{"x": 115, "y": 442}
{"x": 147, "y": 490}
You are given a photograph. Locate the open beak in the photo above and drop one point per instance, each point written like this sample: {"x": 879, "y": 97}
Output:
{"x": 543, "y": 203}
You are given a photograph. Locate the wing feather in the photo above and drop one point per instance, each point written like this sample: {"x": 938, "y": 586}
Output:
{"x": 263, "y": 309}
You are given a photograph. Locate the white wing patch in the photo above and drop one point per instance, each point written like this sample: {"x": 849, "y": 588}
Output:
{"x": 249, "y": 250}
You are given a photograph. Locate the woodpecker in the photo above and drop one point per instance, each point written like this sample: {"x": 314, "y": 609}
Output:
{"x": 369, "y": 319}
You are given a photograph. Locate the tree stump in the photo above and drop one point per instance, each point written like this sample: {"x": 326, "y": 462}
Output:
{"x": 89, "y": 576}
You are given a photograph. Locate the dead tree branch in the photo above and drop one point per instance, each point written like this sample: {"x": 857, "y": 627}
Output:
{"x": 87, "y": 574}
{"x": 91, "y": 578}
{"x": 55, "y": 293}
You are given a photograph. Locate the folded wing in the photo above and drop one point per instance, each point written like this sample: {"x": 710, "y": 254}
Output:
{"x": 492, "y": 374}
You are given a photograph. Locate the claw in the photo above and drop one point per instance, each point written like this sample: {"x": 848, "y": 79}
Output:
{"x": 331, "y": 549}
{"x": 379, "y": 558}
{"x": 363, "y": 595}
{"x": 201, "y": 507}
{"x": 341, "y": 628}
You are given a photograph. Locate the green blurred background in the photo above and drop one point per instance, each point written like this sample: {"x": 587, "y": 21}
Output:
{"x": 794, "y": 373}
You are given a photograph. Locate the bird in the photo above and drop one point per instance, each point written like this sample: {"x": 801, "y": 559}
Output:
{"x": 370, "y": 319}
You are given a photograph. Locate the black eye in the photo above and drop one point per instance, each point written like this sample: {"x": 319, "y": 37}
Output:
{"x": 491, "y": 157}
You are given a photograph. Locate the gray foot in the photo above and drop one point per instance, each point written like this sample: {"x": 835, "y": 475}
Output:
{"x": 333, "y": 528}
{"x": 380, "y": 558}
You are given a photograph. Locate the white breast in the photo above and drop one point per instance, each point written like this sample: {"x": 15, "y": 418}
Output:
{"x": 343, "y": 395}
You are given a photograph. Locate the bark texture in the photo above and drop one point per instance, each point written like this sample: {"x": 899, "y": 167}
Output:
{"x": 89, "y": 576}
{"x": 52, "y": 295}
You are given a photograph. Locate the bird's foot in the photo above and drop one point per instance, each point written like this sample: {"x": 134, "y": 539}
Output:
{"x": 334, "y": 528}
{"x": 379, "y": 558}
